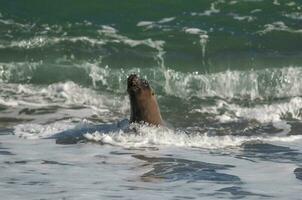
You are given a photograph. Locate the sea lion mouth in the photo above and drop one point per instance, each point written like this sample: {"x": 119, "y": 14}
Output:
{"x": 135, "y": 83}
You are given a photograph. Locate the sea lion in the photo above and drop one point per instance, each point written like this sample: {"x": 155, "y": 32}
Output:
{"x": 143, "y": 103}
{"x": 143, "y": 106}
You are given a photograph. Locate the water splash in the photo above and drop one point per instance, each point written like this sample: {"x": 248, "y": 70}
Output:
{"x": 203, "y": 36}
{"x": 253, "y": 84}
{"x": 147, "y": 136}
{"x": 263, "y": 113}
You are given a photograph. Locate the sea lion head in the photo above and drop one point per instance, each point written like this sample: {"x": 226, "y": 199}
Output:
{"x": 144, "y": 107}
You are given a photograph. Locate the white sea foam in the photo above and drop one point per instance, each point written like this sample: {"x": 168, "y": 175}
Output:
{"x": 152, "y": 24}
{"x": 250, "y": 84}
{"x": 294, "y": 15}
{"x": 265, "y": 113}
{"x": 290, "y": 4}
{"x": 166, "y": 20}
{"x": 11, "y": 22}
{"x": 256, "y": 11}
{"x": 151, "y": 136}
{"x": 8, "y": 102}
{"x": 17, "y": 71}
{"x": 211, "y": 11}
{"x": 107, "y": 34}
{"x": 195, "y": 31}
{"x": 243, "y": 18}
{"x": 60, "y": 94}
{"x": 271, "y": 113}
{"x": 146, "y": 136}
{"x": 145, "y": 23}
{"x": 115, "y": 37}
{"x": 276, "y": 2}
{"x": 109, "y": 29}
{"x": 41, "y": 41}
{"x": 236, "y": 84}
{"x": 278, "y": 26}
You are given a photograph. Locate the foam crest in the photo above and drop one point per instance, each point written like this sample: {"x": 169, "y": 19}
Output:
{"x": 294, "y": 15}
{"x": 61, "y": 94}
{"x": 276, "y": 2}
{"x": 113, "y": 36}
{"x": 147, "y": 136}
{"x": 252, "y": 84}
{"x": 209, "y": 12}
{"x": 264, "y": 113}
{"x": 153, "y": 24}
{"x": 271, "y": 113}
{"x": 17, "y": 71}
{"x": 278, "y": 26}
{"x": 14, "y": 24}
{"x": 8, "y": 102}
{"x": 243, "y": 18}
{"x": 102, "y": 36}
{"x": 41, "y": 41}
{"x": 148, "y": 24}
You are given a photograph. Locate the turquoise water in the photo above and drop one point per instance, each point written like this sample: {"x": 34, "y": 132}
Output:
{"x": 227, "y": 75}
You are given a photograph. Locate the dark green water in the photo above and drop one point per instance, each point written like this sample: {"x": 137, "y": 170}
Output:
{"x": 240, "y": 34}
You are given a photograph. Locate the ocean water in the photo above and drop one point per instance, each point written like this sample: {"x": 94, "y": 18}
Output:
{"x": 227, "y": 75}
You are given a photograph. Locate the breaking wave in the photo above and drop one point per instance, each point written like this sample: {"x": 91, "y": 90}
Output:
{"x": 148, "y": 136}
{"x": 251, "y": 84}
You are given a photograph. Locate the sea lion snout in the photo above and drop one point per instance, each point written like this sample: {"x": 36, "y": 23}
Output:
{"x": 135, "y": 83}
{"x": 132, "y": 80}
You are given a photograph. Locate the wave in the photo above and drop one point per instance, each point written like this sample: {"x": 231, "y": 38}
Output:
{"x": 114, "y": 107}
{"x": 71, "y": 95}
{"x": 251, "y": 84}
{"x": 278, "y": 26}
{"x": 213, "y": 10}
{"x": 294, "y": 15}
{"x": 155, "y": 24}
{"x": 264, "y": 113}
{"x": 148, "y": 136}
{"x": 64, "y": 95}
{"x": 44, "y": 41}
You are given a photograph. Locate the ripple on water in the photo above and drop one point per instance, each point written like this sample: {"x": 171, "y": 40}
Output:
{"x": 298, "y": 173}
{"x": 239, "y": 193}
{"x": 173, "y": 169}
